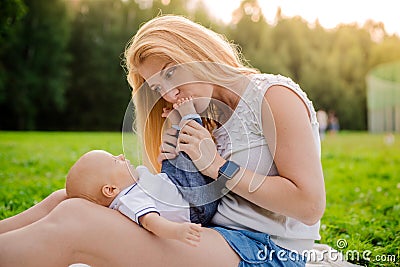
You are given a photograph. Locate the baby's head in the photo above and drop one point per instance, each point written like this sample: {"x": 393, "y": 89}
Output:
{"x": 99, "y": 176}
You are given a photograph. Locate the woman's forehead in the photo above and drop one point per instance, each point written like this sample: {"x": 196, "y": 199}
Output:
{"x": 151, "y": 66}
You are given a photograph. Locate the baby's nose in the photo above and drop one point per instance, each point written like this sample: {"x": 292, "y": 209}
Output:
{"x": 121, "y": 157}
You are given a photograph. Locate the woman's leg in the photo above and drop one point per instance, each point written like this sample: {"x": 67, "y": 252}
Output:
{"x": 34, "y": 213}
{"x": 80, "y": 231}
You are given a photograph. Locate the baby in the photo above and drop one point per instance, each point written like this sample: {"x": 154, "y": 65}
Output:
{"x": 177, "y": 207}
{"x": 111, "y": 181}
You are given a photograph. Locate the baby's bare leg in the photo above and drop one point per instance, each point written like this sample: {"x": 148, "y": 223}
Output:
{"x": 34, "y": 213}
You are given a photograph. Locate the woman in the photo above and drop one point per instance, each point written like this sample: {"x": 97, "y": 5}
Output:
{"x": 267, "y": 153}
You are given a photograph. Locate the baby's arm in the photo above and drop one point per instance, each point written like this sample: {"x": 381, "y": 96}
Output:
{"x": 186, "y": 232}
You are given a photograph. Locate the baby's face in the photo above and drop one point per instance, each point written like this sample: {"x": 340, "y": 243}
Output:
{"x": 124, "y": 172}
{"x": 117, "y": 169}
{"x": 123, "y": 168}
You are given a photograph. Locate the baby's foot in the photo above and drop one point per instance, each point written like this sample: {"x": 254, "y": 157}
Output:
{"x": 172, "y": 115}
{"x": 185, "y": 106}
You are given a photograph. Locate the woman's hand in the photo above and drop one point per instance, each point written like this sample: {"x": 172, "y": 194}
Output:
{"x": 196, "y": 141}
{"x": 168, "y": 145}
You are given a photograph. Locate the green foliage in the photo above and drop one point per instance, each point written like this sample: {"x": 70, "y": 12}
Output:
{"x": 11, "y": 11}
{"x": 361, "y": 179}
{"x": 388, "y": 72}
{"x": 98, "y": 94}
{"x": 330, "y": 66}
{"x": 34, "y": 64}
{"x": 62, "y": 59}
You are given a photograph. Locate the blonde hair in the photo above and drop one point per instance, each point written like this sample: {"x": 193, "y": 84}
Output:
{"x": 178, "y": 40}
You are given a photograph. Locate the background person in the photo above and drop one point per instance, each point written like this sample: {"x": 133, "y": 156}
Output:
{"x": 333, "y": 122}
{"x": 322, "y": 119}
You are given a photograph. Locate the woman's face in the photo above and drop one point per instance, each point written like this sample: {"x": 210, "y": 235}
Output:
{"x": 174, "y": 82}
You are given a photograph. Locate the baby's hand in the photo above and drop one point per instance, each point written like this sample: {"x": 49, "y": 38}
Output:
{"x": 189, "y": 233}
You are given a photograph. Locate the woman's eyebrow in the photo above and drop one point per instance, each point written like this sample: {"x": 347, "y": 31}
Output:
{"x": 163, "y": 68}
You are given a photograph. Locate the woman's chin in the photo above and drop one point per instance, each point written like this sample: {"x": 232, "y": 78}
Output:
{"x": 201, "y": 105}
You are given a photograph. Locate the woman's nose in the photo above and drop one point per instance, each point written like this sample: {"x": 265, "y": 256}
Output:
{"x": 171, "y": 95}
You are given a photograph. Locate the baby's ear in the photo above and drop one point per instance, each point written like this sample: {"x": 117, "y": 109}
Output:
{"x": 110, "y": 190}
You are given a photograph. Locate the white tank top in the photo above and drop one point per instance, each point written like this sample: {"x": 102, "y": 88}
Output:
{"x": 241, "y": 139}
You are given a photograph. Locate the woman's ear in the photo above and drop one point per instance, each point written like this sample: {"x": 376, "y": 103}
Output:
{"x": 110, "y": 190}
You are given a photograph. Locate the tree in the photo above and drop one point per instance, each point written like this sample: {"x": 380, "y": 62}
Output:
{"x": 51, "y": 81}
{"x": 34, "y": 61}
{"x": 11, "y": 12}
{"x": 97, "y": 91}
{"x": 251, "y": 32}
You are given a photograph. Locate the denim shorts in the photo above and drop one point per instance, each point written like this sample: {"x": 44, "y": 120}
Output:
{"x": 256, "y": 249}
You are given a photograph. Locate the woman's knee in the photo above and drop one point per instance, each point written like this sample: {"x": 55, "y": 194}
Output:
{"x": 78, "y": 212}
{"x": 69, "y": 203}
{"x": 57, "y": 197}
{"x": 68, "y": 211}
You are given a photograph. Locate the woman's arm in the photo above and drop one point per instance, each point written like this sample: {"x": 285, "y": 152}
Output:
{"x": 299, "y": 191}
{"x": 186, "y": 232}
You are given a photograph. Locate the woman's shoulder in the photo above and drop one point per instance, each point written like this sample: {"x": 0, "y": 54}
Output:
{"x": 261, "y": 83}
{"x": 268, "y": 80}
{"x": 265, "y": 82}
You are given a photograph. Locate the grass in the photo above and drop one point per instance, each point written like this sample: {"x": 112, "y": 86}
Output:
{"x": 34, "y": 164}
{"x": 363, "y": 196}
{"x": 361, "y": 174}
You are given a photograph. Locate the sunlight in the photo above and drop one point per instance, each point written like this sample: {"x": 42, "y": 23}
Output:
{"x": 328, "y": 13}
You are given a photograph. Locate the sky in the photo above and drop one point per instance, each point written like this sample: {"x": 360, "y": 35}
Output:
{"x": 329, "y": 13}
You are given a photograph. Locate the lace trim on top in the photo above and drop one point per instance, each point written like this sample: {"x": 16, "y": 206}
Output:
{"x": 271, "y": 80}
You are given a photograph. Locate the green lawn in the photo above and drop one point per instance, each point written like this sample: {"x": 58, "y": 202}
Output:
{"x": 362, "y": 175}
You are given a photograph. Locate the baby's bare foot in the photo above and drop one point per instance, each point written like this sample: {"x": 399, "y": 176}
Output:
{"x": 185, "y": 106}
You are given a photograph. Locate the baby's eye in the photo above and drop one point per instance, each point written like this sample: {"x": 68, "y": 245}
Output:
{"x": 170, "y": 72}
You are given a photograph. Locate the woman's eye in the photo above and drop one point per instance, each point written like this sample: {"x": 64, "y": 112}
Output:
{"x": 157, "y": 88}
{"x": 170, "y": 72}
